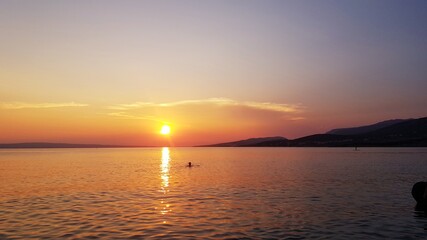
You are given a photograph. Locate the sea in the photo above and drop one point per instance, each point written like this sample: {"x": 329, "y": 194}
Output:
{"x": 228, "y": 193}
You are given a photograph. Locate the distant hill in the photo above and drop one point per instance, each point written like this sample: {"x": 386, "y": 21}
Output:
{"x": 403, "y": 133}
{"x": 54, "y": 145}
{"x": 407, "y": 133}
{"x": 365, "y": 129}
{"x": 248, "y": 142}
{"x": 322, "y": 140}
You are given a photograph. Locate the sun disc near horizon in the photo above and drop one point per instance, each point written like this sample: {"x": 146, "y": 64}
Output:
{"x": 166, "y": 129}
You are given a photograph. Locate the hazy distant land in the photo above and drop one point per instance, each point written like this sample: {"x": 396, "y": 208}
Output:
{"x": 390, "y": 133}
{"x": 58, "y": 145}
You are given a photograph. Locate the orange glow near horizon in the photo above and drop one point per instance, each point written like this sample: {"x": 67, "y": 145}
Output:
{"x": 133, "y": 124}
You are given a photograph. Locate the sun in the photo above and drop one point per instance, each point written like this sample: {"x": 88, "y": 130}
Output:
{"x": 166, "y": 130}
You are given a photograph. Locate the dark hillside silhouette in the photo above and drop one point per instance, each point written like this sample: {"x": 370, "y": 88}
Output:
{"x": 365, "y": 129}
{"x": 402, "y": 133}
{"x": 248, "y": 142}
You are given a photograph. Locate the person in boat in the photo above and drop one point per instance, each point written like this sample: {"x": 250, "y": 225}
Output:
{"x": 419, "y": 192}
{"x": 189, "y": 164}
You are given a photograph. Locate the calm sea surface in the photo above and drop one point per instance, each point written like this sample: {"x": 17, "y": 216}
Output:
{"x": 252, "y": 193}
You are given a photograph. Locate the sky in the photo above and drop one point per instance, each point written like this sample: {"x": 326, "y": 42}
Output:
{"x": 114, "y": 72}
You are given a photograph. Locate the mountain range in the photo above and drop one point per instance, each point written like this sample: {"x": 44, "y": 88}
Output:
{"x": 390, "y": 133}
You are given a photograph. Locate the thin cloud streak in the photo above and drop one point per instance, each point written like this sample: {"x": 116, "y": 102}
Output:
{"x": 133, "y": 117}
{"x": 297, "y": 118}
{"x": 24, "y": 105}
{"x": 267, "y": 106}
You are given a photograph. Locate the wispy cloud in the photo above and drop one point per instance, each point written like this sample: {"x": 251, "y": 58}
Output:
{"x": 267, "y": 106}
{"x": 132, "y": 116}
{"x": 24, "y": 105}
{"x": 297, "y": 118}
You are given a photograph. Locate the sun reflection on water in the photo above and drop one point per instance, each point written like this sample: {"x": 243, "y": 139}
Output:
{"x": 165, "y": 168}
{"x": 164, "y": 175}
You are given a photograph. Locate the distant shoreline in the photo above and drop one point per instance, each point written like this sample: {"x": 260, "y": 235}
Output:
{"x": 90, "y": 146}
{"x": 30, "y": 145}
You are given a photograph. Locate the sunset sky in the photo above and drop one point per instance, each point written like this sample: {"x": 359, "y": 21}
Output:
{"x": 114, "y": 72}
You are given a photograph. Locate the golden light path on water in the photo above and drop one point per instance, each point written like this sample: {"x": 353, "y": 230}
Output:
{"x": 165, "y": 168}
{"x": 164, "y": 175}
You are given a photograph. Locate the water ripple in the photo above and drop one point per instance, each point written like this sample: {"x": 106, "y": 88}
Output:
{"x": 145, "y": 194}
